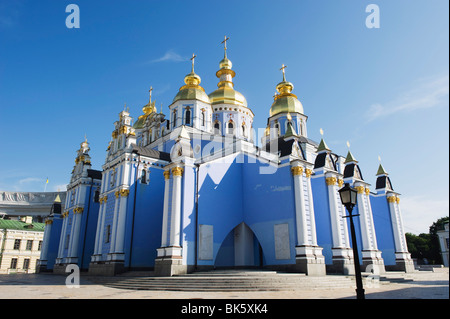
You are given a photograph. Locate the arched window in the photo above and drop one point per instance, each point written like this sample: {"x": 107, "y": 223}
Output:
{"x": 144, "y": 176}
{"x": 277, "y": 129}
{"x": 230, "y": 128}
{"x": 174, "y": 119}
{"x": 244, "y": 131}
{"x": 203, "y": 118}
{"x": 187, "y": 116}
{"x": 217, "y": 127}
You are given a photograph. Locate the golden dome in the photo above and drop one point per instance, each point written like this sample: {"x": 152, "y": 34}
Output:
{"x": 285, "y": 101}
{"x": 148, "y": 109}
{"x": 226, "y": 93}
{"x": 192, "y": 90}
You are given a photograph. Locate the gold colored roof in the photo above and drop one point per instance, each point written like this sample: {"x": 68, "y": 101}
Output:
{"x": 148, "y": 109}
{"x": 227, "y": 95}
{"x": 285, "y": 101}
{"x": 192, "y": 89}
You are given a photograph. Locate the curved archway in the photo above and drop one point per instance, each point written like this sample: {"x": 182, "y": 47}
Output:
{"x": 240, "y": 249}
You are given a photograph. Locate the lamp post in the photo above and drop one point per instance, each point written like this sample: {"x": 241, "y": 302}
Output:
{"x": 348, "y": 197}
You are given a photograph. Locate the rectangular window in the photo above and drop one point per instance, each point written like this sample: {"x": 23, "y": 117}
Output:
{"x": 26, "y": 263}
{"x": 40, "y": 245}
{"x": 108, "y": 234}
{"x": 29, "y": 244}
{"x": 66, "y": 246}
{"x": 17, "y": 244}
{"x": 13, "y": 263}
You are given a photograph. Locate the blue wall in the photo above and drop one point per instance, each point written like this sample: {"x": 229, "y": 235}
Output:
{"x": 322, "y": 217}
{"x": 146, "y": 237}
{"x": 53, "y": 243}
{"x": 234, "y": 193}
{"x": 383, "y": 228}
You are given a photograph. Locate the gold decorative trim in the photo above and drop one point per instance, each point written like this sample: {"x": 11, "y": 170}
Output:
{"x": 397, "y": 199}
{"x": 78, "y": 210}
{"x": 48, "y": 222}
{"x": 117, "y": 193}
{"x": 330, "y": 181}
{"x": 392, "y": 199}
{"x": 177, "y": 171}
{"x": 124, "y": 192}
{"x": 360, "y": 189}
{"x": 340, "y": 182}
{"x": 166, "y": 174}
{"x": 297, "y": 170}
{"x": 308, "y": 172}
{"x": 367, "y": 190}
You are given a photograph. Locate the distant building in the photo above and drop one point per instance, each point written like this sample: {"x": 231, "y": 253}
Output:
{"x": 444, "y": 243}
{"x": 20, "y": 245}
{"x": 14, "y": 205}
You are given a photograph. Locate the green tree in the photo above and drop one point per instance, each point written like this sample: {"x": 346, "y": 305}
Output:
{"x": 426, "y": 246}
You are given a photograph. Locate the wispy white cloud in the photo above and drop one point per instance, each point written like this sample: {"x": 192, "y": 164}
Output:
{"x": 170, "y": 56}
{"x": 426, "y": 95}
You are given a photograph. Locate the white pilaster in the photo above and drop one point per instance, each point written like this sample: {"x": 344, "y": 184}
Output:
{"x": 300, "y": 211}
{"x": 165, "y": 209}
{"x": 177, "y": 173}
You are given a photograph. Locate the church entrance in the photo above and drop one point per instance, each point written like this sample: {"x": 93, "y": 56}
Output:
{"x": 240, "y": 249}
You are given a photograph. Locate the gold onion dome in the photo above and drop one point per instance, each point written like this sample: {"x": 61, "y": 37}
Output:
{"x": 192, "y": 89}
{"x": 148, "y": 109}
{"x": 284, "y": 100}
{"x": 226, "y": 94}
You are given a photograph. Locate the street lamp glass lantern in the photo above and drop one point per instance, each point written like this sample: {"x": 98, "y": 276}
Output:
{"x": 348, "y": 195}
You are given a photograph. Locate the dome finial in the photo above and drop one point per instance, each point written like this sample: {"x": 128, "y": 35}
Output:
{"x": 284, "y": 74}
{"x": 224, "y": 42}
{"x": 193, "y": 61}
{"x": 150, "y": 93}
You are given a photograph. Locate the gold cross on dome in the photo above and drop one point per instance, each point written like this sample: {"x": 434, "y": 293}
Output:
{"x": 193, "y": 61}
{"x": 282, "y": 69}
{"x": 150, "y": 91}
{"x": 225, "y": 41}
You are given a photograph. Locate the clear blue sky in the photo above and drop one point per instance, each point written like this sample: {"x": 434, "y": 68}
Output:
{"x": 385, "y": 90}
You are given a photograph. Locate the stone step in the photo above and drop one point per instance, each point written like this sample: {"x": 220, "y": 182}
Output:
{"x": 235, "y": 280}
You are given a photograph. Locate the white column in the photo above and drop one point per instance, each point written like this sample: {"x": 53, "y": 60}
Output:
{"x": 166, "y": 209}
{"x": 334, "y": 211}
{"x": 311, "y": 208}
{"x": 46, "y": 239}
{"x": 75, "y": 233}
{"x": 120, "y": 232}
{"x": 175, "y": 222}
{"x": 300, "y": 211}
{"x": 402, "y": 230}
{"x": 62, "y": 238}
{"x": 396, "y": 226}
{"x": 371, "y": 223}
{"x": 112, "y": 244}
{"x": 99, "y": 232}
{"x": 363, "y": 218}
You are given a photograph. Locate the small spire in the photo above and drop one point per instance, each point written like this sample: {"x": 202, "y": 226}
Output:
{"x": 350, "y": 158}
{"x": 57, "y": 199}
{"x": 381, "y": 171}
{"x": 322, "y": 146}
{"x": 290, "y": 131}
{"x": 150, "y": 92}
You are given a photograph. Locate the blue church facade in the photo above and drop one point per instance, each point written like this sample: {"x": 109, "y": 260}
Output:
{"x": 192, "y": 190}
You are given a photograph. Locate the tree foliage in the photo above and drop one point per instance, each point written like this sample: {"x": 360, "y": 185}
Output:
{"x": 425, "y": 247}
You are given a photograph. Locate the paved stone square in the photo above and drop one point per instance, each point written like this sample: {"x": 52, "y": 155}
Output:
{"x": 425, "y": 285}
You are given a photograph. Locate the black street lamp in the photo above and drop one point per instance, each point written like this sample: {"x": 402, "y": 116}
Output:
{"x": 348, "y": 198}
